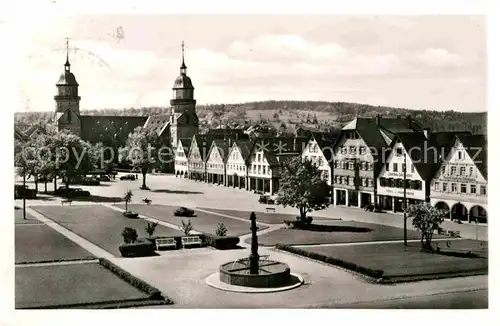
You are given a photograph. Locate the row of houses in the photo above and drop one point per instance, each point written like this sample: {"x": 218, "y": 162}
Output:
{"x": 372, "y": 161}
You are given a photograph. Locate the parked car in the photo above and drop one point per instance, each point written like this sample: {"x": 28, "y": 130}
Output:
{"x": 183, "y": 211}
{"x": 71, "y": 192}
{"x": 265, "y": 199}
{"x": 21, "y": 191}
{"x": 127, "y": 177}
{"x": 103, "y": 178}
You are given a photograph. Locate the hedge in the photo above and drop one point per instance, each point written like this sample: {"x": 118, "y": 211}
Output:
{"x": 141, "y": 248}
{"x": 375, "y": 273}
{"x": 222, "y": 243}
{"x": 153, "y": 292}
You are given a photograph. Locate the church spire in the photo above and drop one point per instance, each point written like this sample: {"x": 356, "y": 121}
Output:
{"x": 183, "y": 66}
{"x": 67, "y": 64}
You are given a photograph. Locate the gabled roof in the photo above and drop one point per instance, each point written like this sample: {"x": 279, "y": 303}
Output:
{"x": 222, "y": 146}
{"x": 99, "y": 128}
{"x": 203, "y": 142}
{"x": 444, "y": 141}
{"x": 477, "y": 148}
{"x": 19, "y": 135}
{"x": 271, "y": 158}
{"x": 159, "y": 123}
{"x": 245, "y": 147}
{"x": 417, "y": 146}
{"x": 325, "y": 143}
{"x": 34, "y": 129}
{"x": 367, "y": 130}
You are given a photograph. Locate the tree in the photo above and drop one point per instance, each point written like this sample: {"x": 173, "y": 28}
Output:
{"x": 186, "y": 228}
{"x": 73, "y": 158}
{"x": 142, "y": 150}
{"x": 127, "y": 198}
{"x": 129, "y": 235}
{"x": 427, "y": 219}
{"x": 221, "y": 230}
{"x": 150, "y": 228}
{"x": 302, "y": 187}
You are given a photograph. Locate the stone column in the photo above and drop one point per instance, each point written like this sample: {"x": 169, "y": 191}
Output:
{"x": 254, "y": 256}
{"x": 359, "y": 199}
{"x": 346, "y": 198}
{"x": 372, "y": 199}
{"x": 394, "y": 200}
{"x": 271, "y": 186}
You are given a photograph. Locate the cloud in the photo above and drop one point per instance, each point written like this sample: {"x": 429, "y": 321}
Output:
{"x": 439, "y": 58}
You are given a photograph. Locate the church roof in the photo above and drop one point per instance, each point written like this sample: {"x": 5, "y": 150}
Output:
{"x": 67, "y": 78}
{"x": 108, "y": 129}
{"x": 183, "y": 82}
{"x": 157, "y": 122}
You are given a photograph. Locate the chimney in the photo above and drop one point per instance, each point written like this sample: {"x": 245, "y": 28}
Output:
{"x": 378, "y": 119}
{"x": 426, "y": 133}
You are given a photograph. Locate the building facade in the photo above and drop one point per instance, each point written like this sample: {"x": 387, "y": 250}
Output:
{"x": 216, "y": 162}
{"x": 460, "y": 184}
{"x": 181, "y": 158}
{"x": 236, "y": 168}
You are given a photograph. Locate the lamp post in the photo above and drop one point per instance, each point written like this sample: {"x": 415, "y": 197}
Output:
{"x": 404, "y": 200}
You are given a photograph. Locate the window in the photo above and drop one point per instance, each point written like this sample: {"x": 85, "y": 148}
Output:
{"x": 387, "y": 167}
{"x": 258, "y": 169}
{"x": 370, "y": 182}
{"x": 462, "y": 170}
{"x": 399, "y": 151}
{"x": 443, "y": 169}
{"x": 471, "y": 171}
{"x": 483, "y": 190}
{"x": 453, "y": 187}
{"x": 351, "y": 165}
{"x": 335, "y": 164}
{"x": 315, "y": 148}
{"x": 362, "y": 150}
{"x": 453, "y": 170}
{"x": 459, "y": 155}
{"x": 363, "y": 165}
{"x": 445, "y": 186}
{"x": 436, "y": 186}
{"x": 352, "y": 149}
{"x": 69, "y": 117}
{"x": 395, "y": 167}
{"x": 412, "y": 169}
{"x": 463, "y": 188}
{"x": 326, "y": 175}
{"x": 369, "y": 166}
{"x": 264, "y": 169}
{"x": 472, "y": 189}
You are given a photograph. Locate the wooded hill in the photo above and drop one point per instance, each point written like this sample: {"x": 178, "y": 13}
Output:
{"x": 293, "y": 114}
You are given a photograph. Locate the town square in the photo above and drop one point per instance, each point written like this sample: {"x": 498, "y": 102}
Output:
{"x": 272, "y": 204}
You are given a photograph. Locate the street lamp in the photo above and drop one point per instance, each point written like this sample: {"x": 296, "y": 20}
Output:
{"x": 24, "y": 191}
{"x": 404, "y": 200}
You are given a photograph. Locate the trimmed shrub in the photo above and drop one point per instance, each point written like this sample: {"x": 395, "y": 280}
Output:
{"x": 142, "y": 248}
{"x": 222, "y": 243}
{"x": 130, "y": 214}
{"x": 129, "y": 235}
{"x": 153, "y": 292}
{"x": 375, "y": 273}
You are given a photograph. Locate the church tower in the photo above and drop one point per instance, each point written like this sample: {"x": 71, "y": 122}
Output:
{"x": 67, "y": 115}
{"x": 183, "y": 119}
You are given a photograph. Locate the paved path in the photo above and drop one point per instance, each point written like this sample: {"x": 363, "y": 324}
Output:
{"x": 368, "y": 243}
{"x": 58, "y": 263}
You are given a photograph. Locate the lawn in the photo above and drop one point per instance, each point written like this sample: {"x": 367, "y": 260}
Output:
{"x": 336, "y": 232}
{"x": 18, "y": 218}
{"x": 202, "y": 222}
{"x": 268, "y": 218}
{"x": 399, "y": 262}
{"x": 99, "y": 224}
{"x": 70, "y": 284}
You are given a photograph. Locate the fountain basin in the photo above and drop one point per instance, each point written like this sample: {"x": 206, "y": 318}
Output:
{"x": 271, "y": 274}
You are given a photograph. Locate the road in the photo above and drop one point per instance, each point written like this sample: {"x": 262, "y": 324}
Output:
{"x": 458, "y": 300}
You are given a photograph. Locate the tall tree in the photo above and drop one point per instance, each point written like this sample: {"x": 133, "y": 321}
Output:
{"x": 302, "y": 187}
{"x": 427, "y": 219}
{"x": 143, "y": 150}
{"x": 74, "y": 158}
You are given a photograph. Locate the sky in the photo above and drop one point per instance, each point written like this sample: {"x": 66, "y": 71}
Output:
{"x": 122, "y": 61}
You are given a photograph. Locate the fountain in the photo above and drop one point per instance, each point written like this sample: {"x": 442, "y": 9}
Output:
{"x": 255, "y": 273}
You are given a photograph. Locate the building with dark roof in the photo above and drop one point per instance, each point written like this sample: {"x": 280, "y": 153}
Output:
{"x": 361, "y": 147}
{"x": 236, "y": 167}
{"x": 114, "y": 130}
{"x": 460, "y": 184}
{"x": 319, "y": 151}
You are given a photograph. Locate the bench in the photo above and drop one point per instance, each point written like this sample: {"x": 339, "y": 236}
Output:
{"x": 270, "y": 209}
{"x": 165, "y": 242}
{"x": 69, "y": 201}
{"x": 191, "y": 240}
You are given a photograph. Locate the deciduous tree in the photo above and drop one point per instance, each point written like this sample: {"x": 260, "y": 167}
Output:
{"x": 302, "y": 187}
{"x": 427, "y": 219}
